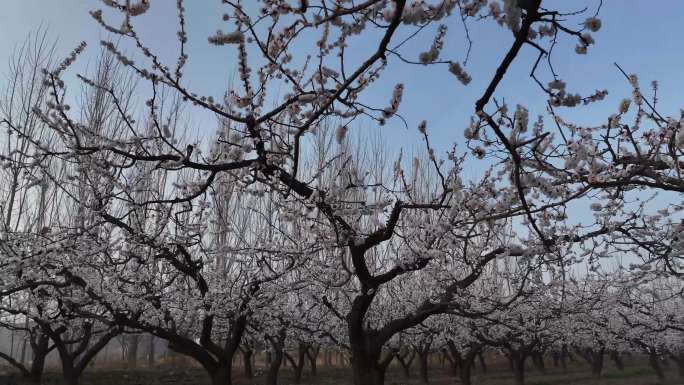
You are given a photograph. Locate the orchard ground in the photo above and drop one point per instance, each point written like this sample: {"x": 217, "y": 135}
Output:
{"x": 577, "y": 374}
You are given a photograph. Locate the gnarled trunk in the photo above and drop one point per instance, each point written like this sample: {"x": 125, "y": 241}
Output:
{"x": 275, "y": 357}
{"x": 405, "y": 361}
{"x": 312, "y": 353}
{"x": 298, "y": 364}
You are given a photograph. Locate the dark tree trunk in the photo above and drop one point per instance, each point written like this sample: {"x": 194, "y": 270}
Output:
{"x": 247, "y": 361}
{"x": 76, "y": 356}
{"x": 367, "y": 366}
{"x": 132, "y": 353}
{"x": 327, "y": 358}
{"x": 367, "y": 371}
{"x": 538, "y": 362}
{"x": 150, "y": 352}
{"x": 452, "y": 355}
{"x": 221, "y": 374}
{"x": 563, "y": 359}
{"x": 298, "y": 365}
{"x": 594, "y": 358}
{"x": 405, "y": 361}
{"x": 275, "y": 357}
{"x": 518, "y": 366}
{"x": 312, "y": 354}
{"x": 465, "y": 372}
{"x": 679, "y": 360}
{"x": 617, "y": 360}
{"x": 654, "y": 361}
{"x": 274, "y": 368}
{"x": 70, "y": 376}
{"x": 597, "y": 363}
{"x": 40, "y": 352}
{"x": 481, "y": 358}
{"x": 423, "y": 355}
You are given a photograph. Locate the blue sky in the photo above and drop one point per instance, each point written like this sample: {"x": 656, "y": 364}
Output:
{"x": 641, "y": 37}
{"x": 644, "y": 37}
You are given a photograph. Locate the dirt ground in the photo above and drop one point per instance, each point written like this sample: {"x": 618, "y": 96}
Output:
{"x": 635, "y": 375}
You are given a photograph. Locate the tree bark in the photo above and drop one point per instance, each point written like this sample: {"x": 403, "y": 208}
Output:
{"x": 563, "y": 359}
{"x": 654, "y": 361}
{"x": 298, "y": 365}
{"x": 423, "y": 364}
{"x": 275, "y": 356}
{"x": 221, "y": 374}
{"x": 150, "y": 352}
{"x": 312, "y": 353}
{"x": 483, "y": 365}
{"x": 367, "y": 371}
{"x": 538, "y": 362}
{"x": 617, "y": 360}
{"x": 132, "y": 353}
{"x": 405, "y": 361}
{"x": 594, "y": 358}
{"x": 518, "y": 366}
{"x": 679, "y": 360}
{"x": 465, "y": 372}
{"x": 247, "y": 361}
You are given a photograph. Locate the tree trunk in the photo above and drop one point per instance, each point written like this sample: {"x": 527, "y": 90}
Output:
{"x": 312, "y": 353}
{"x": 132, "y": 358}
{"x": 464, "y": 373}
{"x": 483, "y": 365}
{"x": 617, "y": 360}
{"x": 679, "y": 360}
{"x": 365, "y": 360}
{"x": 518, "y": 366}
{"x": 275, "y": 357}
{"x": 453, "y": 356}
{"x": 538, "y": 362}
{"x": 594, "y": 358}
{"x": 221, "y": 375}
{"x": 247, "y": 360}
{"x": 298, "y": 366}
{"x": 274, "y": 367}
{"x": 597, "y": 363}
{"x": 69, "y": 375}
{"x": 150, "y": 352}
{"x": 35, "y": 374}
{"x": 367, "y": 371}
{"x": 405, "y": 361}
{"x": 423, "y": 355}
{"x": 655, "y": 364}
{"x": 327, "y": 358}
{"x": 563, "y": 359}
